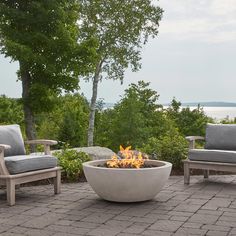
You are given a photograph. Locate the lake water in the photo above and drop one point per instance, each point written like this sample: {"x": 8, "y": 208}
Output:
{"x": 219, "y": 113}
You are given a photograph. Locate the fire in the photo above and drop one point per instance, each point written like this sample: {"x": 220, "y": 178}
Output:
{"x": 127, "y": 159}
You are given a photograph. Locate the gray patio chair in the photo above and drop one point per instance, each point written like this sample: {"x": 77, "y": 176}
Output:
{"x": 219, "y": 153}
{"x": 16, "y": 167}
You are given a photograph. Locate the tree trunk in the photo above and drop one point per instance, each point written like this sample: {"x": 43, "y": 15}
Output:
{"x": 93, "y": 104}
{"x": 28, "y": 114}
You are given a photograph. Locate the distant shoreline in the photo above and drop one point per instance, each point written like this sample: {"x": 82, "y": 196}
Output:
{"x": 190, "y": 104}
{"x": 206, "y": 104}
{"x": 217, "y": 112}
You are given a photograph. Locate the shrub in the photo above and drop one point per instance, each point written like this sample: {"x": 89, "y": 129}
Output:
{"x": 171, "y": 147}
{"x": 135, "y": 118}
{"x": 68, "y": 121}
{"x": 71, "y": 162}
{"x": 188, "y": 121}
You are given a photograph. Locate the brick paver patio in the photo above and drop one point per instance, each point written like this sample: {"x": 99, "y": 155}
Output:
{"x": 202, "y": 208}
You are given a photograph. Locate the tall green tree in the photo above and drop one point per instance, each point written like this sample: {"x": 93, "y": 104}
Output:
{"x": 121, "y": 28}
{"x": 134, "y": 119}
{"x": 43, "y": 37}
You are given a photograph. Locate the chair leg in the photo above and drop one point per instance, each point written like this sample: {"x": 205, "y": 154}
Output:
{"x": 186, "y": 173}
{"x": 57, "y": 182}
{"x": 11, "y": 192}
{"x": 206, "y": 174}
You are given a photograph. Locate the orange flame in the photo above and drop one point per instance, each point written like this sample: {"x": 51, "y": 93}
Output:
{"x": 130, "y": 159}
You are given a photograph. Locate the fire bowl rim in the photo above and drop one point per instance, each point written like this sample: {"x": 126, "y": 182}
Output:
{"x": 101, "y": 161}
{"x": 127, "y": 184}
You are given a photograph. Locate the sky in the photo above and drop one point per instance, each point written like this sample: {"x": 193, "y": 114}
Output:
{"x": 192, "y": 59}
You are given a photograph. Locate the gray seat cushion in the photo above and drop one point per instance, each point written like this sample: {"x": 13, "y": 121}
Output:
{"x": 212, "y": 155}
{"x": 11, "y": 135}
{"x": 221, "y": 137}
{"x": 25, "y": 163}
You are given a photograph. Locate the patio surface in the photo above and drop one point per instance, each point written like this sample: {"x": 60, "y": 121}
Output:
{"x": 202, "y": 208}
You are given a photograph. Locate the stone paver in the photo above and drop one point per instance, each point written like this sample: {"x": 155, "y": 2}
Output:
{"x": 203, "y": 218}
{"x": 167, "y": 225}
{"x": 205, "y": 207}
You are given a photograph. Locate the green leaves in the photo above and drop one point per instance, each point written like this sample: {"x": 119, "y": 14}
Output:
{"x": 43, "y": 37}
{"x": 133, "y": 120}
{"x": 11, "y": 111}
{"x": 189, "y": 122}
{"x": 171, "y": 147}
{"x": 71, "y": 162}
{"x": 120, "y": 27}
{"x": 67, "y": 122}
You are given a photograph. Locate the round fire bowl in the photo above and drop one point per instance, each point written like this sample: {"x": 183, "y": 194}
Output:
{"x": 127, "y": 184}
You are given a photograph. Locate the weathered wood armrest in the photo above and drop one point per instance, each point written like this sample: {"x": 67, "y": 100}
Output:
{"x": 45, "y": 142}
{"x": 42, "y": 142}
{"x": 4, "y": 147}
{"x": 192, "y": 140}
{"x": 3, "y": 169}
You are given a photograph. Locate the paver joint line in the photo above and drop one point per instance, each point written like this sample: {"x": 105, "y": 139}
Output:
{"x": 203, "y": 207}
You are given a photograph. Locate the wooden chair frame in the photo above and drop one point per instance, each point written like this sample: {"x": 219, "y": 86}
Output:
{"x": 203, "y": 165}
{"x": 10, "y": 181}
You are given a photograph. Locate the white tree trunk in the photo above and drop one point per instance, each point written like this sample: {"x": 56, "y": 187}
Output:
{"x": 93, "y": 104}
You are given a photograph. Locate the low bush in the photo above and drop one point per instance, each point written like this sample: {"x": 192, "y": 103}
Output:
{"x": 171, "y": 147}
{"x": 71, "y": 162}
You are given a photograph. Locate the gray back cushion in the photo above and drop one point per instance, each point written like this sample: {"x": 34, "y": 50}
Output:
{"x": 221, "y": 137}
{"x": 11, "y": 135}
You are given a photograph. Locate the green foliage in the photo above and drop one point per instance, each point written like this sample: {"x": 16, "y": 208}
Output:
{"x": 171, "y": 147}
{"x": 104, "y": 128}
{"x": 133, "y": 120}
{"x": 73, "y": 128}
{"x": 137, "y": 120}
{"x": 43, "y": 37}
{"x": 189, "y": 122}
{"x": 120, "y": 27}
{"x": 11, "y": 111}
{"x": 71, "y": 162}
{"x": 227, "y": 120}
{"x": 67, "y": 122}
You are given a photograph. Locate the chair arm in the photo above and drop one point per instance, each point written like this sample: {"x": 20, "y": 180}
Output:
{"x": 2, "y": 148}
{"x": 192, "y": 140}
{"x": 45, "y": 142}
{"x": 42, "y": 142}
{"x": 3, "y": 169}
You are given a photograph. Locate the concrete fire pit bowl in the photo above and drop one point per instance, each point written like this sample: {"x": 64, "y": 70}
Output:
{"x": 127, "y": 184}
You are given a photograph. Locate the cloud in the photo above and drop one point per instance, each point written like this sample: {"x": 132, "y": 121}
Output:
{"x": 211, "y": 21}
{"x": 223, "y": 7}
